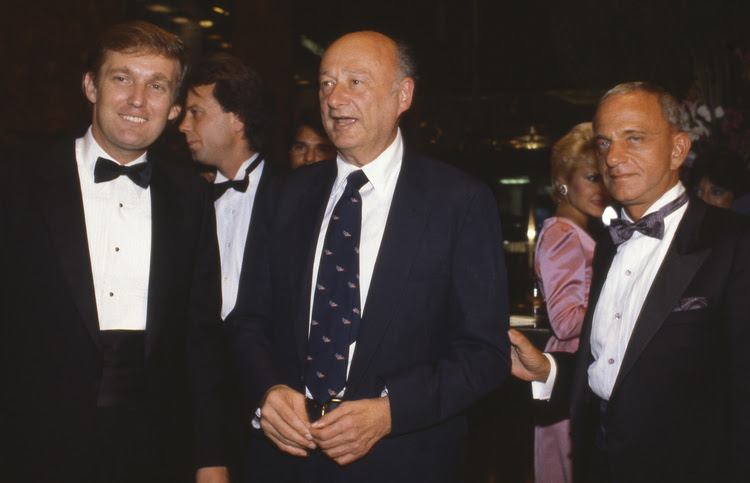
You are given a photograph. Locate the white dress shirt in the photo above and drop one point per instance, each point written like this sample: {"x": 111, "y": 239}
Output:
{"x": 118, "y": 227}
{"x": 233, "y": 212}
{"x": 633, "y": 270}
{"x": 377, "y": 195}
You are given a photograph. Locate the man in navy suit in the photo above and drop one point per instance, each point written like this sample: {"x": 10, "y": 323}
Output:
{"x": 110, "y": 338}
{"x": 431, "y": 308}
{"x": 659, "y": 388}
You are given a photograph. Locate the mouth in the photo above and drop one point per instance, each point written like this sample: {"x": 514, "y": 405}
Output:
{"x": 342, "y": 122}
{"x": 135, "y": 119}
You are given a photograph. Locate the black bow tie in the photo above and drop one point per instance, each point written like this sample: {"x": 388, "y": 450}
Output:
{"x": 239, "y": 185}
{"x": 650, "y": 225}
{"x": 107, "y": 170}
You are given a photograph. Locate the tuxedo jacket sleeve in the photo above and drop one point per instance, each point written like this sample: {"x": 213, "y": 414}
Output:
{"x": 434, "y": 326}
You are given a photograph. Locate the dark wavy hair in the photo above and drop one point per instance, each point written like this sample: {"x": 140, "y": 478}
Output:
{"x": 722, "y": 168}
{"x": 141, "y": 37}
{"x": 240, "y": 90}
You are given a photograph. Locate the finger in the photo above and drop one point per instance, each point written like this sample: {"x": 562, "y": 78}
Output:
{"x": 332, "y": 417}
{"x": 283, "y": 446}
{"x": 286, "y": 432}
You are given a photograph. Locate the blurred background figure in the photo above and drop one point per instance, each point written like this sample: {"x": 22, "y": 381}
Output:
{"x": 310, "y": 142}
{"x": 565, "y": 250}
{"x": 718, "y": 177}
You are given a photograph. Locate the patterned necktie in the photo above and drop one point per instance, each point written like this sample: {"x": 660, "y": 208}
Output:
{"x": 336, "y": 312}
{"x": 107, "y": 170}
{"x": 650, "y": 225}
{"x": 238, "y": 185}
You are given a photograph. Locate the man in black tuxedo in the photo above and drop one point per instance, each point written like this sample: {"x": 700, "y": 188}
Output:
{"x": 227, "y": 127}
{"x": 377, "y": 392}
{"x": 111, "y": 366}
{"x": 659, "y": 384}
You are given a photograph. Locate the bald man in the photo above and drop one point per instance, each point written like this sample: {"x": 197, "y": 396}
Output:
{"x": 381, "y": 311}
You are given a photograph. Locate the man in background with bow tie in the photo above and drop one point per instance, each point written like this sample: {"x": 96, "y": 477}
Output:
{"x": 227, "y": 127}
{"x": 112, "y": 367}
{"x": 659, "y": 388}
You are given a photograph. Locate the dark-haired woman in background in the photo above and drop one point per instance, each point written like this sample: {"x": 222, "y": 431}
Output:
{"x": 718, "y": 177}
{"x": 565, "y": 250}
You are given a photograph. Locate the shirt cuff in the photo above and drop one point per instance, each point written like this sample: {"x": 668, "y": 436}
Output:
{"x": 256, "y": 420}
{"x": 543, "y": 390}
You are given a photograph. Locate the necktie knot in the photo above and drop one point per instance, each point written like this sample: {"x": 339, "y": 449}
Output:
{"x": 356, "y": 179}
{"x": 107, "y": 170}
{"x": 651, "y": 225}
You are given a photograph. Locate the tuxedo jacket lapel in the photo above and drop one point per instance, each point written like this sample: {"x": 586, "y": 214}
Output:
{"x": 166, "y": 223}
{"x": 407, "y": 217}
{"x": 682, "y": 261}
{"x": 63, "y": 209}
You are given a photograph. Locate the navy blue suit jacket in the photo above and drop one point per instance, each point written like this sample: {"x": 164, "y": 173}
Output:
{"x": 434, "y": 327}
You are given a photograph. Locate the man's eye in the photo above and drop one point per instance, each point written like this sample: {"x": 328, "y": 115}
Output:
{"x": 356, "y": 82}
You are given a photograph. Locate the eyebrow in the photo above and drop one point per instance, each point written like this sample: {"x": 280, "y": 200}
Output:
{"x": 158, "y": 76}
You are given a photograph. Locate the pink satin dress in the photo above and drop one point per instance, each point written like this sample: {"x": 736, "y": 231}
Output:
{"x": 564, "y": 254}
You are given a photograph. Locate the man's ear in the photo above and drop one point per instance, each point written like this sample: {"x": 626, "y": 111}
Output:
{"x": 405, "y": 94}
{"x": 89, "y": 87}
{"x": 174, "y": 111}
{"x": 680, "y": 148}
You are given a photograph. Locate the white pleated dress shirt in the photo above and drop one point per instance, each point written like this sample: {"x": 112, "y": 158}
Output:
{"x": 233, "y": 217}
{"x": 631, "y": 274}
{"x": 118, "y": 228}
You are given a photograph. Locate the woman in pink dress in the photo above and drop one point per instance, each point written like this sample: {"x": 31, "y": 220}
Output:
{"x": 564, "y": 253}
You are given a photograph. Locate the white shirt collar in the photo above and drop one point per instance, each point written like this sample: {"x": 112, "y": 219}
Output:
{"x": 672, "y": 194}
{"x": 91, "y": 151}
{"x": 240, "y": 175}
{"x": 379, "y": 171}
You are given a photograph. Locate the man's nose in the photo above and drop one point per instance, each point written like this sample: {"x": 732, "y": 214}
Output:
{"x": 137, "y": 95}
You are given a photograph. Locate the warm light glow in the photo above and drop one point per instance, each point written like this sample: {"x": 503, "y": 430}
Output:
{"x": 158, "y": 8}
{"x": 225, "y": 45}
{"x": 180, "y": 20}
{"x": 206, "y": 24}
{"x": 219, "y": 10}
{"x": 214, "y": 37}
{"x": 517, "y": 180}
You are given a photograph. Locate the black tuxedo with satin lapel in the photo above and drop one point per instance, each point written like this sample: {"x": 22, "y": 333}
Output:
{"x": 51, "y": 360}
{"x": 680, "y": 407}
{"x": 434, "y": 324}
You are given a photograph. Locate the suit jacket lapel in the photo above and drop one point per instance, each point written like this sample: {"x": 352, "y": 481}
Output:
{"x": 64, "y": 214}
{"x": 311, "y": 207}
{"x": 166, "y": 220}
{"x": 407, "y": 218}
{"x": 682, "y": 261}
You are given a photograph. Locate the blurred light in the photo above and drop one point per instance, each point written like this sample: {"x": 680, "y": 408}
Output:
{"x": 214, "y": 37}
{"x": 180, "y": 20}
{"x": 158, "y": 8}
{"x": 225, "y": 45}
{"x": 512, "y": 181}
{"x": 531, "y": 140}
{"x": 311, "y": 45}
{"x": 206, "y": 24}
{"x": 219, "y": 10}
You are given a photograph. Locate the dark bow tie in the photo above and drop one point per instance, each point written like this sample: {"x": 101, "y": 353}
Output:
{"x": 107, "y": 170}
{"x": 651, "y": 225}
{"x": 239, "y": 185}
